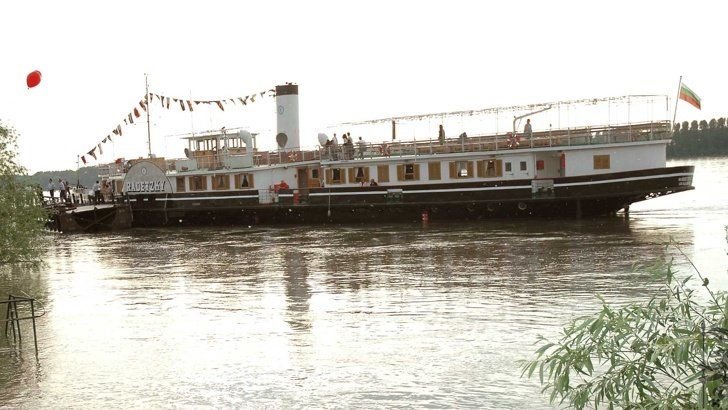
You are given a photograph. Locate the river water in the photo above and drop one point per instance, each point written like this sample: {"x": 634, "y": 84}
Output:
{"x": 336, "y": 317}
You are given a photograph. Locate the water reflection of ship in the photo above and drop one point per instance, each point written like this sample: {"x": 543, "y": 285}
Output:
{"x": 507, "y": 258}
{"x": 297, "y": 290}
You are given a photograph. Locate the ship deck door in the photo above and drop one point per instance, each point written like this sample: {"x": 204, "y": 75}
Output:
{"x": 303, "y": 183}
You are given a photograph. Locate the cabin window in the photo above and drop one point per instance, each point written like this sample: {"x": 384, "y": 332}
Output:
{"x": 433, "y": 171}
{"x": 539, "y": 165}
{"x": 383, "y": 173}
{"x": 524, "y": 166}
{"x": 315, "y": 173}
{"x": 243, "y": 181}
{"x": 509, "y": 167}
{"x": 198, "y": 183}
{"x": 335, "y": 176}
{"x": 408, "y": 172}
{"x": 601, "y": 162}
{"x": 180, "y": 184}
{"x": 359, "y": 174}
{"x": 221, "y": 181}
{"x": 461, "y": 169}
{"x": 490, "y": 168}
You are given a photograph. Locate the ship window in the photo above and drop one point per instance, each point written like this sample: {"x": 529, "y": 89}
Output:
{"x": 539, "y": 165}
{"x": 221, "y": 181}
{"x": 314, "y": 173}
{"x": 601, "y": 162}
{"x": 243, "y": 181}
{"x": 461, "y": 169}
{"x": 383, "y": 173}
{"x": 524, "y": 166}
{"x": 408, "y": 172}
{"x": 359, "y": 174}
{"x": 198, "y": 183}
{"x": 433, "y": 170}
{"x": 180, "y": 184}
{"x": 508, "y": 167}
{"x": 335, "y": 176}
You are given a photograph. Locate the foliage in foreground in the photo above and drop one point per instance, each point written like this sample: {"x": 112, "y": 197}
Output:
{"x": 21, "y": 213}
{"x": 671, "y": 352}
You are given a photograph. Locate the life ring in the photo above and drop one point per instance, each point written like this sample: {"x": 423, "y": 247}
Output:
{"x": 292, "y": 156}
{"x": 522, "y": 206}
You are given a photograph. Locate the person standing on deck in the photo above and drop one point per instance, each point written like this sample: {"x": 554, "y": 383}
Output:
{"x": 97, "y": 192}
{"x": 51, "y": 189}
{"x": 362, "y": 146}
{"x": 527, "y": 128}
{"x": 61, "y": 190}
{"x": 334, "y": 148}
{"x": 441, "y": 135}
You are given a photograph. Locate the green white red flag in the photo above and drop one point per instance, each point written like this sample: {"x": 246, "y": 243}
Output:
{"x": 686, "y": 94}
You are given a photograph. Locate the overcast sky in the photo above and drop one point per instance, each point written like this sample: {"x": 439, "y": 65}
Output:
{"x": 352, "y": 60}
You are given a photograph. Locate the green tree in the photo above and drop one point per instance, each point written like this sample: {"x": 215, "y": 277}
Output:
{"x": 721, "y": 122}
{"x": 666, "y": 353}
{"x": 22, "y": 216}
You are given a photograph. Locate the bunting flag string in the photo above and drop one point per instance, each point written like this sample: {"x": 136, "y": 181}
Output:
{"x": 166, "y": 102}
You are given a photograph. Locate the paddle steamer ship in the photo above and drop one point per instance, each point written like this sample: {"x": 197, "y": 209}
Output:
{"x": 572, "y": 172}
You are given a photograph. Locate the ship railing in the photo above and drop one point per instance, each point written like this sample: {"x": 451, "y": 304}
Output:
{"x": 609, "y": 134}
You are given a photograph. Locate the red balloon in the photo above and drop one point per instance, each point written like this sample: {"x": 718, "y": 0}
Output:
{"x": 33, "y": 79}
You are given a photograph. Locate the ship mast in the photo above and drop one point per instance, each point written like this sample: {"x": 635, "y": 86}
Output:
{"x": 146, "y": 98}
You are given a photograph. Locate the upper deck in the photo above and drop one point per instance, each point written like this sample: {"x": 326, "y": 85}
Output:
{"x": 211, "y": 156}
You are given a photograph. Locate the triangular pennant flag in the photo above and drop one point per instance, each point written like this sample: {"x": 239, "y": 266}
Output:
{"x": 161, "y": 100}
{"x": 242, "y": 100}
{"x": 232, "y": 100}
{"x": 189, "y": 104}
{"x": 118, "y": 127}
{"x": 252, "y": 98}
{"x": 197, "y": 102}
{"x": 116, "y": 130}
{"x": 83, "y": 158}
{"x": 109, "y": 138}
{"x": 143, "y": 104}
{"x": 167, "y": 102}
{"x": 136, "y": 112}
{"x": 104, "y": 140}
{"x": 131, "y": 120}
{"x": 182, "y": 104}
{"x": 262, "y": 93}
{"x": 219, "y": 104}
{"x": 126, "y": 121}
{"x": 101, "y": 151}
{"x": 92, "y": 153}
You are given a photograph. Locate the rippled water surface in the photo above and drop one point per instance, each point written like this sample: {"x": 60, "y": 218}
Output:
{"x": 375, "y": 316}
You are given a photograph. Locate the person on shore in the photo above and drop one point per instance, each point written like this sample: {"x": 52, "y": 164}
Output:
{"x": 61, "y": 190}
{"x": 51, "y": 189}
{"x": 97, "y": 192}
